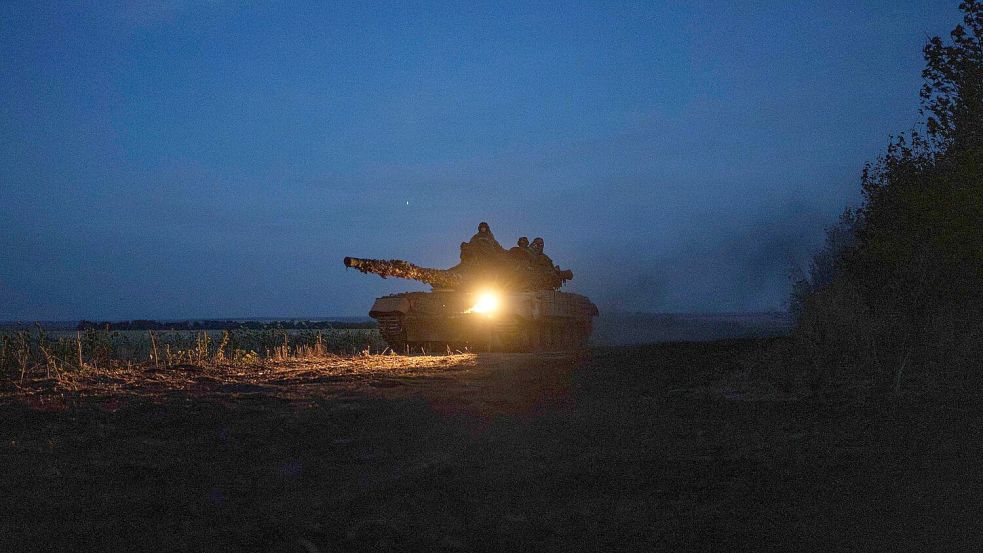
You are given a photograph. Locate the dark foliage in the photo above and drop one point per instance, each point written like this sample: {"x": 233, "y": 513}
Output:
{"x": 897, "y": 299}
{"x": 952, "y": 95}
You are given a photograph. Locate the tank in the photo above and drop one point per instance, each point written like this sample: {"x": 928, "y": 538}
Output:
{"x": 494, "y": 300}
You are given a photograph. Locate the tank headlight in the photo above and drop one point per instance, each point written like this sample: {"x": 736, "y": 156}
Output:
{"x": 487, "y": 304}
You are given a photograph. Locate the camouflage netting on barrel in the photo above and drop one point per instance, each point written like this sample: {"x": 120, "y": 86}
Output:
{"x": 438, "y": 278}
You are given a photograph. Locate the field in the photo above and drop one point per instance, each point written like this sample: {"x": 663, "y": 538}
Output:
{"x": 57, "y": 352}
{"x": 666, "y": 447}
{"x": 56, "y": 347}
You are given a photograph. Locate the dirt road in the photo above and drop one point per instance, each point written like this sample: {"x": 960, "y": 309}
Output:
{"x": 647, "y": 448}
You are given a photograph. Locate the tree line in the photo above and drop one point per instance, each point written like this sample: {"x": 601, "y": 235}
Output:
{"x": 895, "y": 297}
{"x": 142, "y": 324}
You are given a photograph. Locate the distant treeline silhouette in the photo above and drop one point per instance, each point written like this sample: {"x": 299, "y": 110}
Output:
{"x": 895, "y": 299}
{"x": 141, "y": 324}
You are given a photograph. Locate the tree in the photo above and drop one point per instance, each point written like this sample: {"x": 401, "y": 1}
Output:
{"x": 952, "y": 96}
{"x": 906, "y": 289}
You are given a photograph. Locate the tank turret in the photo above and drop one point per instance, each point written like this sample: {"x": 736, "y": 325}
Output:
{"x": 502, "y": 271}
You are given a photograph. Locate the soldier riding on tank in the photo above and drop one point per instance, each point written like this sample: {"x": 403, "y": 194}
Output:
{"x": 482, "y": 246}
{"x": 539, "y": 257}
{"x": 520, "y": 252}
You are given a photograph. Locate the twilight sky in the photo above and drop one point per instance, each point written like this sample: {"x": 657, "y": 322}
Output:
{"x": 183, "y": 159}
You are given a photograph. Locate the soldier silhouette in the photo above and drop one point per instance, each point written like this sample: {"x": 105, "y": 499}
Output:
{"x": 481, "y": 245}
{"x": 539, "y": 257}
{"x": 485, "y": 238}
{"x": 520, "y": 251}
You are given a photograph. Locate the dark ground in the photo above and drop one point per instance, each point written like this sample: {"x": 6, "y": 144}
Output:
{"x": 665, "y": 447}
{"x": 612, "y": 328}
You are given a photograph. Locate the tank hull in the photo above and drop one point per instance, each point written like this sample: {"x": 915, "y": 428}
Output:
{"x": 542, "y": 320}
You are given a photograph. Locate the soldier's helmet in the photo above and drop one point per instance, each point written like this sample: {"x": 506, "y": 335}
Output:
{"x": 523, "y": 242}
{"x": 483, "y": 227}
{"x": 537, "y": 244}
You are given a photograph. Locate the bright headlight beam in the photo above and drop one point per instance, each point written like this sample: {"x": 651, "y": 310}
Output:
{"x": 487, "y": 303}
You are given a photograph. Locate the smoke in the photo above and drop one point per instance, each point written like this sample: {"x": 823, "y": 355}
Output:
{"x": 742, "y": 268}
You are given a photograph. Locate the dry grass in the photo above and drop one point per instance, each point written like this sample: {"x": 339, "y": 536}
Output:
{"x": 292, "y": 378}
{"x": 27, "y": 354}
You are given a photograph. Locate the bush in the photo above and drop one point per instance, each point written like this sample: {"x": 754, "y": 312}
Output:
{"x": 894, "y": 297}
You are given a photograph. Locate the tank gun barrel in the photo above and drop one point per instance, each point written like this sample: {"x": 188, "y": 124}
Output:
{"x": 438, "y": 278}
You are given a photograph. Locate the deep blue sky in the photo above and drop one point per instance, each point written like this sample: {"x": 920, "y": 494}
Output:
{"x": 169, "y": 159}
